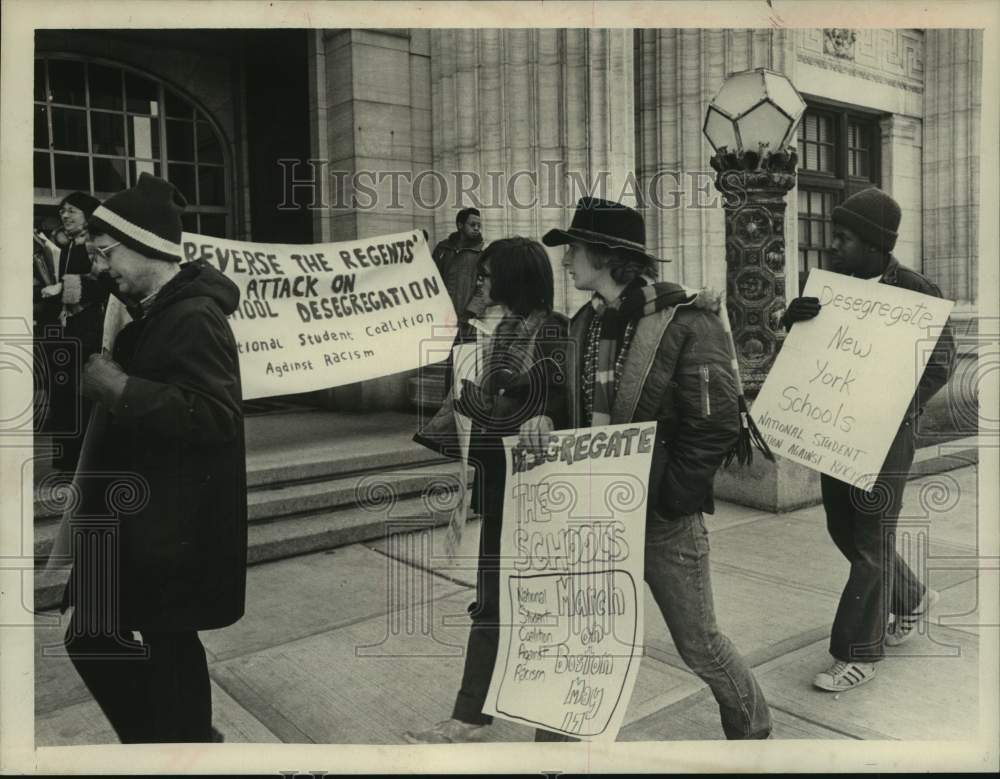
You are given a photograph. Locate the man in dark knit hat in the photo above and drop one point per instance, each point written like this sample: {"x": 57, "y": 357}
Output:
{"x": 173, "y": 432}
{"x": 883, "y": 599}
{"x": 647, "y": 350}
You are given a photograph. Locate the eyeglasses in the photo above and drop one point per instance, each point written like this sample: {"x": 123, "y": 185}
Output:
{"x": 105, "y": 251}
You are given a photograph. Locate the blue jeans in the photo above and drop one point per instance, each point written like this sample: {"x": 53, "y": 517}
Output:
{"x": 677, "y": 572}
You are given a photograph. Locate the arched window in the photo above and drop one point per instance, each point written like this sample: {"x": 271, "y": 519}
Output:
{"x": 99, "y": 125}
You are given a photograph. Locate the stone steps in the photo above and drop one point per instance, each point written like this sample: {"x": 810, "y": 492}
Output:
{"x": 308, "y": 498}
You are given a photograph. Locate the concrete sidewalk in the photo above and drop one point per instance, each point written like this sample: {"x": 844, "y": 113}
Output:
{"x": 358, "y": 644}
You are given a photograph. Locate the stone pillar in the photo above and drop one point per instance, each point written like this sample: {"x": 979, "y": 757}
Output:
{"x": 371, "y": 112}
{"x": 901, "y": 157}
{"x": 952, "y": 108}
{"x": 532, "y": 119}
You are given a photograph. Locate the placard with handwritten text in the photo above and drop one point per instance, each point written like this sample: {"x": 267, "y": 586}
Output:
{"x": 571, "y": 582}
{"x": 838, "y": 389}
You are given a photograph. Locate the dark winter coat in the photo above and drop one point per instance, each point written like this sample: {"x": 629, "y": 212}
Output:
{"x": 677, "y": 372}
{"x": 178, "y": 426}
{"x": 941, "y": 361}
{"x": 458, "y": 264}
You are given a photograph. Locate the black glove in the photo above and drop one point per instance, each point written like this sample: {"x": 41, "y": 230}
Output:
{"x": 799, "y": 310}
{"x": 473, "y": 404}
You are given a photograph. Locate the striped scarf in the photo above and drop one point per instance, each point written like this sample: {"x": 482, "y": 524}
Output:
{"x": 608, "y": 340}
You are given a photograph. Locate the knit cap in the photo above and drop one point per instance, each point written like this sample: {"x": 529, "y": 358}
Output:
{"x": 871, "y": 215}
{"x": 146, "y": 218}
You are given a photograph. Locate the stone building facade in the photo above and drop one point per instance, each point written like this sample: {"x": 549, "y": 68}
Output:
{"x": 234, "y": 116}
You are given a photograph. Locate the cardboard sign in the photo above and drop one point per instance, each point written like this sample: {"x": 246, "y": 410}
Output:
{"x": 571, "y": 606}
{"x": 323, "y": 315}
{"x": 838, "y": 389}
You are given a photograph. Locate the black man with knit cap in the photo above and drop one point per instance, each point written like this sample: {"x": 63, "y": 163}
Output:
{"x": 883, "y": 599}
{"x": 173, "y": 421}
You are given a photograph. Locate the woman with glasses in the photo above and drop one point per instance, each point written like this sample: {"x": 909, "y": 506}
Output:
{"x": 76, "y": 300}
{"x": 522, "y": 375}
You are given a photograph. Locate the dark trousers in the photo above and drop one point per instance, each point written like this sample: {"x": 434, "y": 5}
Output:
{"x": 863, "y": 526}
{"x": 164, "y": 697}
{"x": 484, "y": 636}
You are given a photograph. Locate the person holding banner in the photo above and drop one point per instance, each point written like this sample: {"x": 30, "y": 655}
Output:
{"x": 524, "y": 376}
{"x": 75, "y": 299}
{"x": 883, "y": 599}
{"x": 167, "y": 477}
{"x": 655, "y": 351}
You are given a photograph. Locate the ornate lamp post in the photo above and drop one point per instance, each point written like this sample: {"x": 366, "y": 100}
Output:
{"x": 751, "y": 124}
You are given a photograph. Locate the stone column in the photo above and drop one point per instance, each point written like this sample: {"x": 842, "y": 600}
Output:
{"x": 952, "y": 108}
{"x": 534, "y": 117}
{"x": 371, "y": 113}
{"x": 901, "y": 158}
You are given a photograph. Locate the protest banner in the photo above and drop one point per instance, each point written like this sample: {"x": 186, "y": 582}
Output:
{"x": 838, "y": 389}
{"x": 571, "y": 607}
{"x": 323, "y": 315}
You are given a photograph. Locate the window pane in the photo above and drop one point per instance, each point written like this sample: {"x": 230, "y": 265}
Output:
{"x": 803, "y": 201}
{"x": 41, "y": 127}
{"x": 105, "y": 87}
{"x": 213, "y": 224}
{"x": 182, "y": 177}
{"x": 829, "y": 233}
{"x": 852, "y": 162}
{"x": 107, "y": 133}
{"x": 69, "y": 129}
{"x": 803, "y": 232}
{"x": 863, "y": 169}
{"x": 141, "y": 95}
{"x": 72, "y": 173}
{"x": 144, "y": 136}
{"x": 177, "y": 106}
{"x": 209, "y": 149}
{"x": 190, "y": 222}
{"x": 825, "y": 129}
{"x": 815, "y": 202}
{"x": 812, "y": 157}
{"x": 109, "y": 175}
{"x": 39, "y": 79}
{"x": 180, "y": 140}
{"x": 43, "y": 178}
{"x": 211, "y": 186}
{"x": 825, "y": 159}
{"x": 810, "y": 124}
{"x": 135, "y": 167}
{"x": 66, "y": 82}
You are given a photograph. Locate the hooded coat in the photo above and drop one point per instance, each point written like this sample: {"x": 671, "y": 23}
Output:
{"x": 678, "y": 372}
{"x": 178, "y": 429}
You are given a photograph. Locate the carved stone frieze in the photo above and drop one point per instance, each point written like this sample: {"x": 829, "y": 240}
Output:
{"x": 839, "y": 42}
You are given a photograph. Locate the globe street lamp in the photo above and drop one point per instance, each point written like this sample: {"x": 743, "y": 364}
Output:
{"x": 751, "y": 124}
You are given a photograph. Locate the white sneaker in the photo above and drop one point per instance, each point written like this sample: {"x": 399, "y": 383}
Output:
{"x": 845, "y": 676}
{"x": 903, "y": 626}
{"x": 451, "y": 731}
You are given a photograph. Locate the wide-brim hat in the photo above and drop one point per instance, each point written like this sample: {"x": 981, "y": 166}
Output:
{"x": 604, "y": 223}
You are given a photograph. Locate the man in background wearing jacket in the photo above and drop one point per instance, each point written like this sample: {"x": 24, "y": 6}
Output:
{"x": 171, "y": 393}
{"x": 649, "y": 351}
{"x": 880, "y": 582}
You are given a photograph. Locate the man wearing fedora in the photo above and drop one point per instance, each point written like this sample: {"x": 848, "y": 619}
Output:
{"x": 172, "y": 424}
{"x": 646, "y": 351}
{"x": 880, "y": 583}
